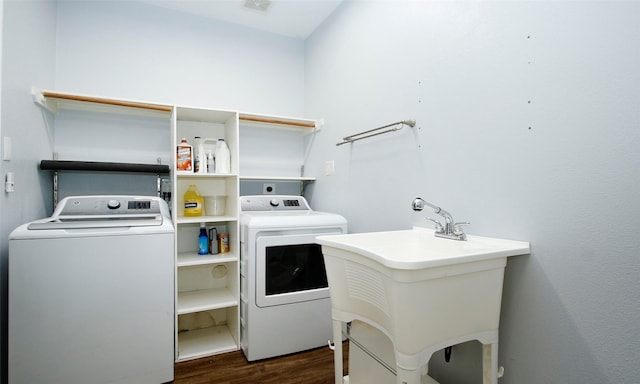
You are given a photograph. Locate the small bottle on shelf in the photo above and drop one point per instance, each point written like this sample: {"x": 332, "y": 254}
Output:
{"x": 184, "y": 156}
{"x": 223, "y": 239}
{"x": 201, "y": 160}
{"x": 203, "y": 240}
{"x": 213, "y": 241}
{"x": 210, "y": 162}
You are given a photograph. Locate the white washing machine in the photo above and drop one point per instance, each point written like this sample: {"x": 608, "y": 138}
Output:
{"x": 284, "y": 291}
{"x": 91, "y": 293}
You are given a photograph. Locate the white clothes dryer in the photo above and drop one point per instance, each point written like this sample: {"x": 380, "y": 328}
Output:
{"x": 284, "y": 291}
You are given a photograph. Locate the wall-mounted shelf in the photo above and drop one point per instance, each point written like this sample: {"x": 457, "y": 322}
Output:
{"x": 53, "y": 101}
{"x": 101, "y": 166}
{"x": 303, "y": 180}
{"x": 56, "y": 166}
{"x": 246, "y": 118}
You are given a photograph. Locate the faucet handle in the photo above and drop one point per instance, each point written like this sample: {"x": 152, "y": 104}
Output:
{"x": 457, "y": 227}
{"x": 439, "y": 227}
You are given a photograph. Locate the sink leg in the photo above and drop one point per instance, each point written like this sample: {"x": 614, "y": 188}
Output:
{"x": 490, "y": 363}
{"x": 337, "y": 351}
{"x": 406, "y": 376}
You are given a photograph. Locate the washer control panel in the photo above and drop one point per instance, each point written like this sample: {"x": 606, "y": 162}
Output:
{"x": 108, "y": 205}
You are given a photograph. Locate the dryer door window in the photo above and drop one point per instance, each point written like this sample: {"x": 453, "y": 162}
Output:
{"x": 294, "y": 268}
{"x": 289, "y": 269}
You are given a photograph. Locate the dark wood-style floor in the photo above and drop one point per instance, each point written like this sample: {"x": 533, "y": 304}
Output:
{"x": 310, "y": 367}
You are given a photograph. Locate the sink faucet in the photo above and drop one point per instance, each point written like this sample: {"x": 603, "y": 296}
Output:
{"x": 450, "y": 229}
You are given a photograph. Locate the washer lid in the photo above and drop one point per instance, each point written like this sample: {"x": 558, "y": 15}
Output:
{"x": 97, "y": 222}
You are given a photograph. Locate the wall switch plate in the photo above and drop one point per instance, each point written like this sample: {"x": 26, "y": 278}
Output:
{"x": 268, "y": 189}
{"x": 329, "y": 167}
{"x": 6, "y": 148}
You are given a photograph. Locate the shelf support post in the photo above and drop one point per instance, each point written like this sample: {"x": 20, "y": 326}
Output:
{"x": 55, "y": 189}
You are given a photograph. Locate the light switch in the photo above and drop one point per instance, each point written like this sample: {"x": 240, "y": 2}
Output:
{"x": 6, "y": 148}
{"x": 329, "y": 167}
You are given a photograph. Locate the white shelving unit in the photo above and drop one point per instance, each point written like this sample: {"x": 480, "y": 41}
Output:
{"x": 207, "y": 287}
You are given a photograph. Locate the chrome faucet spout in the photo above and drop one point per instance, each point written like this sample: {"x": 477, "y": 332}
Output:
{"x": 450, "y": 229}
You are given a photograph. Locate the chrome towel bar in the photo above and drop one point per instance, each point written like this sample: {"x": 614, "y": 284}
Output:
{"x": 377, "y": 131}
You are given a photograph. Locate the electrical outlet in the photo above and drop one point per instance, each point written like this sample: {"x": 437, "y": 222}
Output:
{"x": 268, "y": 189}
{"x": 9, "y": 184}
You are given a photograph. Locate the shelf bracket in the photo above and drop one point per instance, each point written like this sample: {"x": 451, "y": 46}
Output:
{"x": 39, "y": 99}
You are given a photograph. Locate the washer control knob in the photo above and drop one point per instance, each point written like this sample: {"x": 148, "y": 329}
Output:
{"x": 113, "y": 204}
{"x": 274, "y": 202}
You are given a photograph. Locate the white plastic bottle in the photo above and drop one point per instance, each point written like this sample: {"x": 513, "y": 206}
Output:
{"x": 210, "y": 162}
{"x": 223, "y": 157}
{"x": 201, "y": 160}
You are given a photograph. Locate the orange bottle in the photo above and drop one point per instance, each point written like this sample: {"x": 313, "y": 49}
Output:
{"x": 184, "y": 156}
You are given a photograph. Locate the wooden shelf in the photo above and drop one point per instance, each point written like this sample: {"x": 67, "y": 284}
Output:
{"x": 205, "y": 342}
{"x": 282, "y": 121}
{"x": 53, "y": 101}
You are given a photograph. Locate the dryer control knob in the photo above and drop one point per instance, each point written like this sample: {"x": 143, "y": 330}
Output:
{"x": 113, "y": 204}
{"x": 274, "y": 202}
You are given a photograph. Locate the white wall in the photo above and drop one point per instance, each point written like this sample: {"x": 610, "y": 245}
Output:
{"x": 528, "y": 127}
{"x": 28, "y": 53}
{"x": 127, "y": 49}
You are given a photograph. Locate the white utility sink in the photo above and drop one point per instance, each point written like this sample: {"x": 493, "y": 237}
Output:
{"x": 424, "y": 292}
